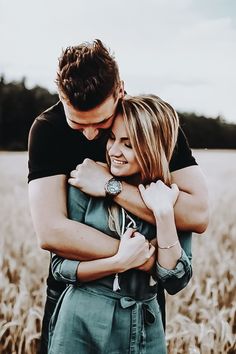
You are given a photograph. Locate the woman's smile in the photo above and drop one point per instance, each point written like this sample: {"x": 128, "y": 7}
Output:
{"x": 118, "y": 162}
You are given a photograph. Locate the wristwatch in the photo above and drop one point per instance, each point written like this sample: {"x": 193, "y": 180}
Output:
{"x": 113, "y": 187}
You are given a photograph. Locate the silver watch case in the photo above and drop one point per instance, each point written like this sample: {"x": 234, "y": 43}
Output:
{"x": 113, "y": 187}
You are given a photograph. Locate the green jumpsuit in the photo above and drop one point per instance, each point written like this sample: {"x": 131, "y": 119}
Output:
{"x": 91, "y": 318}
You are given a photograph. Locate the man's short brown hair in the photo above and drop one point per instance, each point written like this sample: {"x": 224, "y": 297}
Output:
{"x": 87, "y": 75}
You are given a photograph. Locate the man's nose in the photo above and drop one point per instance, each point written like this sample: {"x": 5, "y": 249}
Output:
{"x": 90, "y": 133}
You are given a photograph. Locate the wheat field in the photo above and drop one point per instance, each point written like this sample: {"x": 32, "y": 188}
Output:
{"x": 201, "y": 318}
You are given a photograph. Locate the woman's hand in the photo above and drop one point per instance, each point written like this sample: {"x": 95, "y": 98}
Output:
{"x": 159, "y": 197}
{"x": 149, "y": 264}
{"x": 134, "y": 250}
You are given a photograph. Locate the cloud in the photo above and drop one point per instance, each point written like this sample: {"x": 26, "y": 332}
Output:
{"x": 184, "y": 50}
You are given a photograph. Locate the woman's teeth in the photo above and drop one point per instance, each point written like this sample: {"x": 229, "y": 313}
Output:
{"x": 118, "y": 162}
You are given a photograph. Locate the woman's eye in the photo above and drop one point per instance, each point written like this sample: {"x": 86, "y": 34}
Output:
{"x": 128, "y": 146}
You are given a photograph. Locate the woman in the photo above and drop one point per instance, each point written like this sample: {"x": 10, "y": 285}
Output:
{"x": 113, "y": 309}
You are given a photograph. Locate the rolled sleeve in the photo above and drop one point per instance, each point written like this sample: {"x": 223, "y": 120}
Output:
{"x": 174, "y": 280}
{"x": 64, "y": 270}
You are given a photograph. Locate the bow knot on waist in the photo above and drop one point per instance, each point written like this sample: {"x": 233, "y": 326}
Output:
{"x": 148, "y": 314}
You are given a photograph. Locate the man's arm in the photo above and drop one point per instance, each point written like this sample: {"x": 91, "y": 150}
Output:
{"x": 133, "y": 252}
{"x": 57, "y": 233}
{"x": 191, "y": 209}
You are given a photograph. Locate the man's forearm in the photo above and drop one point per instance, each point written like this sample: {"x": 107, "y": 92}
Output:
{"x": 73, "y": 240}
{"x": 58, "y": 234}
{"x": 131, "y": 200}
{"x": 191, "y": 209}
{"x": 191, "y": 215}
{"x": 191, "y": 212}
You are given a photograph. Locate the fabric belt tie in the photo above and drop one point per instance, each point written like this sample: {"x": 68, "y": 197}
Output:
{"x": 148, "y": 318}
{"x": 141, "y": 314}
{"x": 148, "y": 315}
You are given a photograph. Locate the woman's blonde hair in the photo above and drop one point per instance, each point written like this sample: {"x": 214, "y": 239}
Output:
{"x": 152, "y": 126}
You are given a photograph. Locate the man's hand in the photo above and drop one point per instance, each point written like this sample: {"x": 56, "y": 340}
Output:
{"x": 91, "y": 177}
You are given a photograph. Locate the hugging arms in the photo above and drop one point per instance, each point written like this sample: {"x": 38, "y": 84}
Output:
{"x": 171, "y": 265}
{"x": 76, "y": 241}
{"x": 125, "y": 162}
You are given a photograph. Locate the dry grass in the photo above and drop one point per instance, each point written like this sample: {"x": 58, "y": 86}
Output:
{"x": 22, "y": 264}
{"x": 201, "y": 319}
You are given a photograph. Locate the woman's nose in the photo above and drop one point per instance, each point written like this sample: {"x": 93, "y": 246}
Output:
{"x": 114, "y": 150}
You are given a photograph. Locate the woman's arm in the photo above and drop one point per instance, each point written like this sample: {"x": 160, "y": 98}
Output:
{"x": 173, "y": 265}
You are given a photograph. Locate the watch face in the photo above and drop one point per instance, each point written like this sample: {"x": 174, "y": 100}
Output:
{"x": 113, "y": 187}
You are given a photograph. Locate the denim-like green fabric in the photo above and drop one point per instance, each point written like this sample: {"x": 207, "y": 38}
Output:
{"x": 93, "y": 212}
{"x": 76, "y": 320}
{"x": 91, "y": 319}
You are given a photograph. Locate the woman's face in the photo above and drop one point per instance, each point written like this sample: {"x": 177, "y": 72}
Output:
{"x": 122, "y": 159}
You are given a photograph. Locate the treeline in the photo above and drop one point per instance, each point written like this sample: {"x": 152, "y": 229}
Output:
{"x": 210, "y": 133}
{"x": 19, "y": 106}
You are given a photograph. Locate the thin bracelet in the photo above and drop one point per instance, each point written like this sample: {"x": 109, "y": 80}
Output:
{"x": 169, "y": 246}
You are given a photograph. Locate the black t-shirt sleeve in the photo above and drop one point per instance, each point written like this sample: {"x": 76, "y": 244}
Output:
{"x": 182, "y": 156}
{"x": 46, "y": 155}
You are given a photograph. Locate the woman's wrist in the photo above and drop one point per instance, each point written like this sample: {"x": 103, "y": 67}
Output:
{"x": 163, "y": 212}
{"x": 168, "y": 246}
{"x": 117, "y": 264}
{"x": 167, "y": 236}
{"x": 96, "y": 269}
{"x": 164, "y": 215}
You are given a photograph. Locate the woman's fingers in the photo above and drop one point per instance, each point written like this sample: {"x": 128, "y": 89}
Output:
{"x": 174, "y": 187}
{"x": 128, "y": 233}
{"x": 151, "y": 250}
{"x": 141, "y": 188}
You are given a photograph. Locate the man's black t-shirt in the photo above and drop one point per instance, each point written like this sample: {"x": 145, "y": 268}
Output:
{"x": 55, "y": 148}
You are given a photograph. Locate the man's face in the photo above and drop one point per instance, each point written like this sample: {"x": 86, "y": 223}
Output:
{"x": 91, "y": 123}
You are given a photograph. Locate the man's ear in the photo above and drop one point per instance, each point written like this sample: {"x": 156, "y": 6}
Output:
{"x": 60, "y": 96}
{"x": 122, "y": 89}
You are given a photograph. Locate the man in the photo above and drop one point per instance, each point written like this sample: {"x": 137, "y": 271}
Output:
{"x": 73, "y": 133}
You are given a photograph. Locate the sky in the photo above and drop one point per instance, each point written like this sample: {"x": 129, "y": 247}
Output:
{"x": 182, "y": 50}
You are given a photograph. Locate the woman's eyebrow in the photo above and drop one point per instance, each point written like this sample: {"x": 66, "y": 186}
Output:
{"x": 122, "y": 138}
